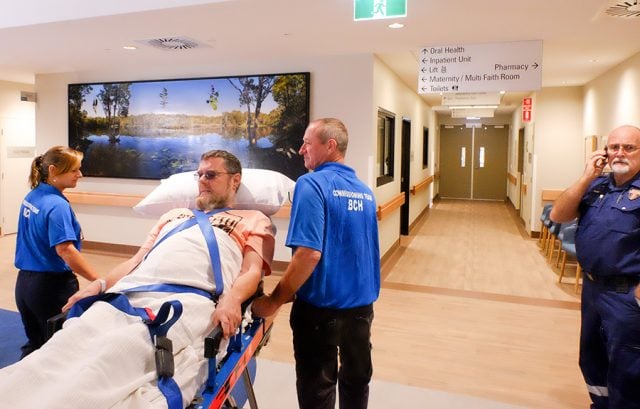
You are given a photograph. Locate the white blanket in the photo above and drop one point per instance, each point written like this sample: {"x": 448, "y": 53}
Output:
{"x": 105, "y": 358}
{"x": 99, "y": 358}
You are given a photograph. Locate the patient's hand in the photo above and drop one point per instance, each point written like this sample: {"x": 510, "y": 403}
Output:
{"x": 227, "y": 314}
{"x": 92, "y": 289}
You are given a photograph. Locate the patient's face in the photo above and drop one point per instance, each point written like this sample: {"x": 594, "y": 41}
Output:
{"x": 216, "y": 188}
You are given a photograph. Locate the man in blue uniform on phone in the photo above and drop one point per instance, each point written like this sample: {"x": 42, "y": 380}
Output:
{"x": 334, "y": 274}
{"x": 608, "y": 249}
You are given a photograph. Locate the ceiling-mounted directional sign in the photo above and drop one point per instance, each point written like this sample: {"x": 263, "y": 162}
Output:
{"x": 489, "y": 67}
{"x": 378, "y": 9}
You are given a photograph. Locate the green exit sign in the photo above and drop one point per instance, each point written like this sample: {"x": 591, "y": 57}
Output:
{"x": 378, "y": 9}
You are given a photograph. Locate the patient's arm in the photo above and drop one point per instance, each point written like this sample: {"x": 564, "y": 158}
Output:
{"x": 228, "y": 312}
{"x": 111, "y": 278}
{"x": 121, "y": 269}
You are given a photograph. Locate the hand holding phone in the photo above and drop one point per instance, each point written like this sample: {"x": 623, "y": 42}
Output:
{"x": 601, "y": 162}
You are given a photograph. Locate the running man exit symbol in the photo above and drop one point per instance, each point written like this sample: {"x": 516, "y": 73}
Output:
{"x": 379, "y": 9}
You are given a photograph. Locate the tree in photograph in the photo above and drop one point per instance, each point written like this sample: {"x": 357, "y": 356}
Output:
{"x": 77, "y": 115}
{"x": 253, "y": 93}
{"x": 115, "y": 104}
{"x": 290, "y": 92}
{"x": 164, "y": 97}
{"x": 213, "y": 98}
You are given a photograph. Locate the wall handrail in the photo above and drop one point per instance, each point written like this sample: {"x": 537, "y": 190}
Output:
{"x": 422, "y": 185}
{"x": 129, "y": 200}
{"x": 390, "y": 206}
{"x": 550, "y": 195}
{"x": 103, "y": 199}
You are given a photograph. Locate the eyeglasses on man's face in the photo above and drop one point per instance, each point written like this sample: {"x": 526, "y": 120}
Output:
{"x": 625, "y": 147}
{"x": 209, "y": 174}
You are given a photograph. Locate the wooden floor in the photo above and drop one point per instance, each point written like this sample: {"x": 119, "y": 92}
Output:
{"x": 468, "y": 306}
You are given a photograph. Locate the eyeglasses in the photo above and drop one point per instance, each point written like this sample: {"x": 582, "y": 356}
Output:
{"x": 626, "y": 148}
{"x": 209, "y": 175}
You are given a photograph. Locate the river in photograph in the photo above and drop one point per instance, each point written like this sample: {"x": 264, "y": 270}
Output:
{"x": 154, "y": 157}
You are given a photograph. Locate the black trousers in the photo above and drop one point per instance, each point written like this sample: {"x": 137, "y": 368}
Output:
{"x": 320, "y": 337}
{"x": 40, "y": 296}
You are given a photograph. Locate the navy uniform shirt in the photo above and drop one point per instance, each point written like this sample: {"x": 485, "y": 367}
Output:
{"x": 608, "y": 235}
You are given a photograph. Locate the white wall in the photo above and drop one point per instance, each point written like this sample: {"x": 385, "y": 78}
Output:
{"x": 341, "y": 86}
{"x": 17, "y": 129}
{"x": 553, "y": 148}
{"x": 613, "y": 99}
{"x": 563, "y": 118}
{"x": 558, "y": 144}
{"x": 391, "y": 94}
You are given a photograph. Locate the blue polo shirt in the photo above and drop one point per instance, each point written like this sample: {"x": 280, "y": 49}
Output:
{"x": 608, "y": 234}
{"x": 335, "y": 213}
{"x": 45, "y": 220}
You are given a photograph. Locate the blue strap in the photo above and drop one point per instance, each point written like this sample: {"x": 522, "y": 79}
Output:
{"x": 168, "y": 288}
{"x": 158, "y": 327}
{"x": 202, "y": 219}
{"x": 171, "y": 392}
{"x": 182, "y": 226}
{"x": 119, "y": 301}
{"x": 212, "y": 243}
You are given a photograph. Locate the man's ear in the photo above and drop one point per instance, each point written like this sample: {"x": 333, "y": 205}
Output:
{"x": 237, "y": 178}
{"x": 333, "y": 145}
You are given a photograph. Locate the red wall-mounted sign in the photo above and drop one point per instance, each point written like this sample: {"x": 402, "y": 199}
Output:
{"x": 527, "y": 107}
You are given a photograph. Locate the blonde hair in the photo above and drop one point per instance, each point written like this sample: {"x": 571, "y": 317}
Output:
{"x": 62, "y": 157}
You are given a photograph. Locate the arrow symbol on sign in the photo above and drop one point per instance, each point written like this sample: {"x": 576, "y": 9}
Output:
{"x": 424, "y": 60}
{"x": 424, "y": 69}
{"x": 535, "y": 65}
{"x": 424, "y": 51}
{"x": 424, "y": 89}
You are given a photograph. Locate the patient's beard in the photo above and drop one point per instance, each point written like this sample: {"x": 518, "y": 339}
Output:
{"x": 209, "y": 202}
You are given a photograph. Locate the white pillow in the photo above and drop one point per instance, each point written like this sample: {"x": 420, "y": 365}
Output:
{"x": 261, "y": 189}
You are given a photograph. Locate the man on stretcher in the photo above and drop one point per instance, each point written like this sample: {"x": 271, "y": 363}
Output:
{"x": 117, "y": 353}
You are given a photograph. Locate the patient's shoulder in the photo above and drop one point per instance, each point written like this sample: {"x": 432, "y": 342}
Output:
{"x": 174, "y": 214}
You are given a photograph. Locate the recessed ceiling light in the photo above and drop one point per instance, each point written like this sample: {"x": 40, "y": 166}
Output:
{"x": 130, "y": 47}
{"x": 396, "y": 25}
{"x": 593, "y": 60}
{"x": 502, "y": 92}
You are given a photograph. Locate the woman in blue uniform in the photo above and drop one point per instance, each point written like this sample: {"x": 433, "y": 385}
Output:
{"x": 48, "y": 244}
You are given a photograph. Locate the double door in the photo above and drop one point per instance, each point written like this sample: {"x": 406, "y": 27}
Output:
{"x": 473, "y": 162}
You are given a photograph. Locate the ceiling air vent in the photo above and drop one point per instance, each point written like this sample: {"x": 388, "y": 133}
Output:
{"x": 627, "y": 9}
{"x": 173, "y": 43}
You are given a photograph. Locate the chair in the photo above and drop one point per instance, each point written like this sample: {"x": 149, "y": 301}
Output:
{"x": 552, "y": 237}
{"x": 544, "y": 227}
{"x": 569, "y": 248}
{"x": 563, "y": 227}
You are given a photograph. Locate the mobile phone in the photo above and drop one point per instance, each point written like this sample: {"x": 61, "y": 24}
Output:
{"x": 603, "y": 161}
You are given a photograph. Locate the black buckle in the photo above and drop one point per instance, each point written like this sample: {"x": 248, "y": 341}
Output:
{"x": 164, "y": 357}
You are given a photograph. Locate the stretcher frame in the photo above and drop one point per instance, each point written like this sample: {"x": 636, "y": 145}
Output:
{"x": 224, "y": 375}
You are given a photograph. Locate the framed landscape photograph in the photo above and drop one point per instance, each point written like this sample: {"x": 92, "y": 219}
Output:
{"x": 153, "y": 129}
